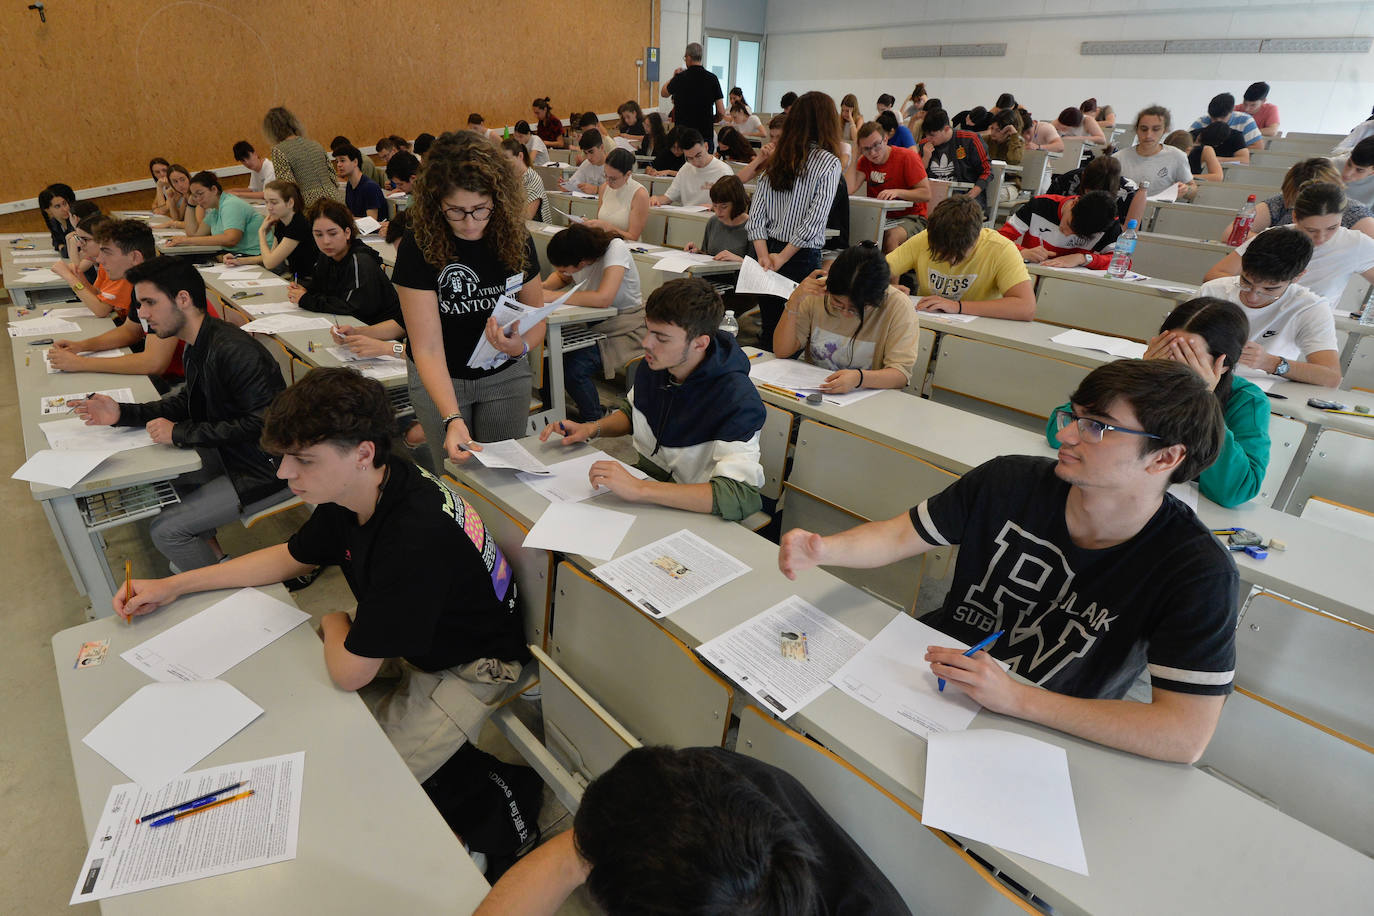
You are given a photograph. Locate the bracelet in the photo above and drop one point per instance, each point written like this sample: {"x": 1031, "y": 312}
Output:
{"x": 597, "y": 433}
{"x": 450, "y": 418}
{"x": 960, "y": 303}
{"x": 861, "y": 377}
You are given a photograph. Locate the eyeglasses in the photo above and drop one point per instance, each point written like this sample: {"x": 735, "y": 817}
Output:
{"x": 476, "y": 214}
{"x": 1250, "y": 286}
{"x": 872, "y": 147}
{"x": 1090, "y": 430}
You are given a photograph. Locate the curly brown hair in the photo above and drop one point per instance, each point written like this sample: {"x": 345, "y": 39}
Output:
{"x": 463, "y": 161}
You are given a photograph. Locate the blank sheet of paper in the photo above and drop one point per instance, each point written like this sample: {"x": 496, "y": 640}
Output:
{"x": 580, "y": 528}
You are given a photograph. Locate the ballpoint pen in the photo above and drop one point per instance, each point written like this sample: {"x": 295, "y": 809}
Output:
{"x": 974, "y": 650}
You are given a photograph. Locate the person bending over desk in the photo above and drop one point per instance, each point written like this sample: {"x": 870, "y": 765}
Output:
{"x": 228, "y": 222}
{"x": 401, "y": 169}
{"x": 295, "y": 245}
{"x": 962, "y": 267}
{"x": 691, "y": 187}
{"x": 1092, "y": 570}
{"x": 437, "y": 603}
{"x": 694, "y": 414}
{"x": 891, "y": 173}
{"x": 1207, "y": 335}
{"x": 726, "y": 237}
{"x": 853, "y": 321}
{"x": 693, "y": 831}
{"x": 230, "y": 379}
{"x": 1065, "y": 231}
{"x": 1292, "y": 330}
{"x": 591, "y": 174}
{"x": 348, "y": 277}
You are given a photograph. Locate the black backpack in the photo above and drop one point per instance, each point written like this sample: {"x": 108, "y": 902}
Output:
{"x": 493, "y": 806}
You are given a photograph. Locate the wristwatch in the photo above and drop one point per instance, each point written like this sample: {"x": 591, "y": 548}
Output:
{"x": 1282, "y": 368}
{"x": 398, "y": 348}
{"x": 78, "y": 286}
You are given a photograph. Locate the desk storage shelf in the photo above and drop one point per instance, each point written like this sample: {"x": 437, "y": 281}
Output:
{"x": 119, "y": 507}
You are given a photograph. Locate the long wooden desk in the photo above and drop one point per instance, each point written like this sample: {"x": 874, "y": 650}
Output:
{"x": 24, "y": 291}
{"x": 1159, "y": 837}
{"x": 128, "y": 486}
{"x": 370, "y": 840}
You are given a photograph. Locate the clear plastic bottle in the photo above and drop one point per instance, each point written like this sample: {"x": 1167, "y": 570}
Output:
{"x": 1240, "y": 226}
{"x": 1121, "y": 255}
{"x": 729, "y": 323}
{"x": 1367, "y": 316}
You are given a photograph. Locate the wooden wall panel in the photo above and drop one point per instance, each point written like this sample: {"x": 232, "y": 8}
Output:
{"x": 104, "y": 86}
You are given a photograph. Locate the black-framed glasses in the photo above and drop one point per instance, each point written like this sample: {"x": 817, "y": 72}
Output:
{"x": 476, "y": 214}
{"x": 1090, "y": 430}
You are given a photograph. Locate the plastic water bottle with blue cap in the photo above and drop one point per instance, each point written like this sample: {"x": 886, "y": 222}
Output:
{"x": 1121, "y": 255}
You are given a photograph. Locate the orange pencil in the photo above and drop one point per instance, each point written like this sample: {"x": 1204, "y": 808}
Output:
{"x": 128, "y": 588}
{"x": 172, "y": 818}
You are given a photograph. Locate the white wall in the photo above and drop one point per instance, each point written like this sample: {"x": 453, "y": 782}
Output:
{"x": 836, "y": 48}
{"x": 736, "y": 15}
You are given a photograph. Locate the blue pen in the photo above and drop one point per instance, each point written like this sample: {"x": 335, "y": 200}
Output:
{"x": 975, "y": 650}
{"x": 192, "y": 803}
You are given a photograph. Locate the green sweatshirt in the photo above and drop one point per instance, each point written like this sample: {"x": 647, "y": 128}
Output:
{"x": 1236, "y": 475}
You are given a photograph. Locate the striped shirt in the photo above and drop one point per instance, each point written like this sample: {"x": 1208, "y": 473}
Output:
{"x": 534, "y": 190}
{"x": 1236, "y": 120}
{"x": 797, "y": 217}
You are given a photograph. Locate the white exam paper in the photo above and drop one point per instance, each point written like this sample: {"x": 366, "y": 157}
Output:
{"x": 1168, "y": 194}
{"x": 165, "y": 729}
{"x": 61, "y": 468}
{"x": 40, "y": 275}
{"x": 509, "y": 453}
{"x": 670, "y": 573}
{"x": 125, "y": 857}
{"x": 261, "y": 309}
{"x": 511, "y": 314}
{"x": 1010, "y": 790}
{"x": 1086, "y": 340}
{"x": 381, "y": 370}
{"x": 367, "y": 225}
{"x": 580, "y": 528}
{"x": 754, "y": 279}
{"x": 256, "y": 283}
{"x": 246, "y": 272}
{"x": 40, "y": 327}
{"x": 61, "y": 403}
{"x": 751, "y": 654}
{"x": 218, "y": 638}
{"x": 98, "y": 354}
{"x": 797, "y": 376}
{"x": 569, "y": 481}
{"x": 279, "y": 324}
{"x": 73, "y": 312}
{"x": 73, "y": 433}
{"x": 891, "y": 677}
{"x": 679, "y": 262}
{"x": 952, "y": 317}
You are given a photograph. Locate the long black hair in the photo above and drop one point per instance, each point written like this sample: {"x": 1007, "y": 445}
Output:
{"x": 1223, "y": 325}
{"x": 861, "y": 274}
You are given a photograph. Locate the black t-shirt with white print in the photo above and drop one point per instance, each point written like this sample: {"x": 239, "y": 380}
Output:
{"x": 468, "y": 290}
{"x": 1082, "y": 622}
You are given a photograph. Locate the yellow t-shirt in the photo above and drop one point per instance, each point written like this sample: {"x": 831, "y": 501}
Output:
{"x": 994, "y": 267}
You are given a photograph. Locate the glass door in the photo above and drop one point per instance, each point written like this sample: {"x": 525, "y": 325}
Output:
{"x": 736, "y": 58}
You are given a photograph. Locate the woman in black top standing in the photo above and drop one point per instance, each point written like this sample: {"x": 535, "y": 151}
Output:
{"x": 464, "y": 250}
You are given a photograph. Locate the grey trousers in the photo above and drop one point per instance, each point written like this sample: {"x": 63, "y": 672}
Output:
{"x": 494, "y": 408}
{"x": 208, "y": 500}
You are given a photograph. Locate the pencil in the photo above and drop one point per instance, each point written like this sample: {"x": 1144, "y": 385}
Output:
{"x": 173, "y": 818}
{"x": 128, "y": 588}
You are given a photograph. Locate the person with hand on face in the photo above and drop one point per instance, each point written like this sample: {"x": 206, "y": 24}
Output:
{"x": 104, "y": 294}
{"x": 601, "y": 261}
{"x": 1207, "y": 335}
{"x": 158, "y": 167}
{"x": 694, "y": 414}
{"x": 691, "y": 187}
{"x": 1292, "y": 329}
{"x": 464, "y": 250}
{"x": 1151, "y": 164}
{"x": 591, "y": 174}
{"x": 962, "y": 267}
{"x": 55, "y": 201}
{"x": 727, "y": 236}
{"x": 228, "y": 222}
{"x": 178, "y": 195}
{"x": 890, "y": 173}
{"x": 623, "y": 203}
{"x": 1065, "y": 231}
{"x": 437, "y": 603}
{"x": 295, "y": 242}
{"x": 260, "y": 171}
{"x": 852, "y": 321}
{"x": 348, "y": 278}
{"x": 850, "y": 117}
{"x": 1126, "y": 576}
{"x": 230, "y": 380}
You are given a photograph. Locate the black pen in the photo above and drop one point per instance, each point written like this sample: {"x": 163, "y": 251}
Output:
{"x": 187, "y": 804}
{"x": 1277, "y": 397}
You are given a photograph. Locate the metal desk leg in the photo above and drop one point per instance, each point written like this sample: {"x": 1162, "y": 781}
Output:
{"x": 558, "y": 404}
{"x": 61, "y": 539}
{"x": 19, "y": 297}
{"x": 93, "y": 571}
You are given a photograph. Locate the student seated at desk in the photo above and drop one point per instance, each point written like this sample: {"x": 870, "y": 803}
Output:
{"x": 76, "y": 258}
{"x": 104, "y": 294}
{"x": 1072, "y": 123}
{"x": 589, "y": 124}
{"x": 698, "y": 830}
{"x": 423, "y": 143}
{"x": 668, "y": 156}
{"x": 1207, "y": 335}
{"x": 437, "y": 603}
{"x": 228, "y": 222}
{"x": 747, "y": 123}
{"x": 655, "y": 136}
{"x": 1152, "y": 164}
{"x": 1292, "y": 330}
{"x": 895, "y": 133}
{"x": 1103, "y": 173}
{"x": 260, "y": 171}
{"x": 631, "y": 123}
{"x": 1223, "y": 110}
{"x": 1039, "y": 134}
{"x": 55, "y": 201}
{"x": 178, "y": 195}
{"x": 123, "y": 245}
{"x": 1202, "y": 152}
{"x": 1004, "y": 141}
{"x": 547, "y": 125}
{"x": 591, "y": 174}
{"x": 602, "y": 262}
{"x": 158, "y": 167}
{"x": 955, "y": 155}
{"x": 1092, "y": 571}
{"x": 536, "y": 197}
{"x": 691, "y": 186}
{"x": 694, "y": 414}
{"x": 726, "y": 237}
{"x": 1338, "y": 253}
{"x": 539, "y": 151}
{"x": 851, "y": 320}
{"x": 295, "y": 246}
{"x": 732, "y": 147}
{"x": 365, "y": 163}
{"x": 401, "y": 170}
{"x": 363, "y": 196}
{"x": 1278, "y": 209}
{"x": 230, "y": 380}
{"x": 962, "y": 267}
{"x": 890, "y": 173}
{"x": 623, "y": 205}
{"x": 1065, "y": 231}
{"x": 348, "y": 278}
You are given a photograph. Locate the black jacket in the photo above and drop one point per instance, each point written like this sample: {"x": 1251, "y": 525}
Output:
{"x": 355, "y": 286}
{"x": 230, "y": 380}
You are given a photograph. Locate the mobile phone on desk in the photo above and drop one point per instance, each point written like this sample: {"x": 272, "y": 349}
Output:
{"x": 1323, "y": 404}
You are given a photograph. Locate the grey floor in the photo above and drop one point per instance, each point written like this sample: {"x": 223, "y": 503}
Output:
{"x": 44, "y": 842}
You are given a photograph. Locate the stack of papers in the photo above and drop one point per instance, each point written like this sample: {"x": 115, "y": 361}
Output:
{"x": 382, "y": 369}
{"x": 43, "y": 327}
{"x": 515, "y": 318}
{"x": 72, "y": 434}
{"x": 509, "y": 453}
{"x": 280, "y": 324}
{"x": 670, "y": 573}
{"x": 754, "y": 279}
{"x": 1116, "y": 346}
{"x": 679, "y": 262}
{"x": 570, "y": 481}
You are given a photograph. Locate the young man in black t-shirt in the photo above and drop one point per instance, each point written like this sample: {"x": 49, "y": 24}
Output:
{"x": 1089, "y": 569}
{"x": 436, "y": 597}
{"x": 699, "y": 830}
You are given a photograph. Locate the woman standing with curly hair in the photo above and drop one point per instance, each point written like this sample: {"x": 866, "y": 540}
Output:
{"x": 464, "y": 250}
{"x": 298, "y": 159}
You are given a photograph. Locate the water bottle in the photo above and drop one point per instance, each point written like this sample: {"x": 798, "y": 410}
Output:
{"x": 1240, "y": 227}
{"x": 1121, "y": 255}
{"x": 729, "y": 324}
{"x": 1367, "y": 316}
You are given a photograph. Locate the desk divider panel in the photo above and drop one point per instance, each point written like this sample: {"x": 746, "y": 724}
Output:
{"x": 1193, "y": 221}
{"x": 1229, "y": 195}
{"x": 774, "y": 441}
{"x": 1285, "y": 435}
{"x": 682, "y": 229}
{"x": 1360, "y": 373}
{"x": 920, "y": 370}
{"x": 1003, "y": 376}
{"x": 931, "y": 872}
{"x": 643, "y": 675}
{"x": 1339, "y": 468}
{"x": 1104, "y": 310}
{"x": 1169, "y": 257}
